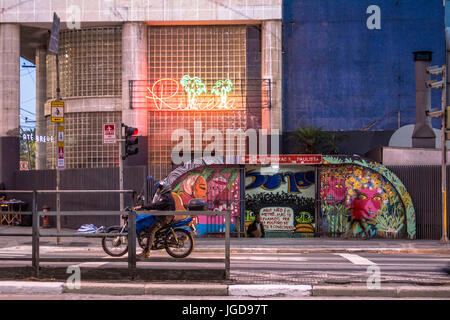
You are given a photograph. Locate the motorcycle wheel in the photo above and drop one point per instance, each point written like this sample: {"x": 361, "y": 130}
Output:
{"x": 115, "y": 246}
{"x": 181, "y": 248}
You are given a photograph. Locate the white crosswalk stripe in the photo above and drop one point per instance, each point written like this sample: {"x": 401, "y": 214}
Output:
{"x": 355, "y": 259}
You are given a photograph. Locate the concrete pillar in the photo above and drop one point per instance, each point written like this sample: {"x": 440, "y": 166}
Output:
{"x": 423, "y": 134}
{"x": 271, "y": 46}
{"x": 9, "y": 102}
{"x": 41, "y": 97}
{"x": 134, "y": 67}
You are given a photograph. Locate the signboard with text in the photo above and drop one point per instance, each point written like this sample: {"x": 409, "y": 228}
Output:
{"x": 109, "y": 133}
{"x": 57, "y": 111}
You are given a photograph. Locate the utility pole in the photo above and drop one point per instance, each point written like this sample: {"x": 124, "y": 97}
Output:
{"x": 443, "y": 113}
{"x": 58, "y": 117}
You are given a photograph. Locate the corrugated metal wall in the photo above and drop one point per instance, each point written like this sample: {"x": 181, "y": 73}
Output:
{"x": 135, "y": 178}
{"x": 424, "y": 185}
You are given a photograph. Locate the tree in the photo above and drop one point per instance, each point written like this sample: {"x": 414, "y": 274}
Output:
{"x": 310, "y": 138}
{"x": 28, "y": 147}
{"x": 315, "y": 140}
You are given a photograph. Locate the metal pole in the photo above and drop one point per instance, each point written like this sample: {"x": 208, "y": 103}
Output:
{"x": 58, "y": 177}
{"x": 132, "y": 243}
{"x": 121, "y": 146}
{"x": 35, "y": 235}
{"x": 444, "y": 239}
{"x": 227, "y": 244}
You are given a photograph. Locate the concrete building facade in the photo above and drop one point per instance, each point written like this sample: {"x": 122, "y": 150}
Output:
{"x": 113, "y": 56}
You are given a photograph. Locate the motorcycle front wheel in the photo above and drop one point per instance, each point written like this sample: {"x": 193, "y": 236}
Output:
{"x": 181, "y": 245}
{"x": 115, "y": 246}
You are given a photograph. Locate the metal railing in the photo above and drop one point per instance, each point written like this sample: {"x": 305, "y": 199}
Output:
{"x": 131, "y": 234}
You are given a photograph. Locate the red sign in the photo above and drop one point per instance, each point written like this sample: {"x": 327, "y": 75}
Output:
{"x": 283, "y": 159}
{"x": 109, "y": 133}
{"x": 60, "y": 158}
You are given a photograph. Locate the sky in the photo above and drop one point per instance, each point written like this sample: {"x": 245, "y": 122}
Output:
{"x": 27, "y": 95}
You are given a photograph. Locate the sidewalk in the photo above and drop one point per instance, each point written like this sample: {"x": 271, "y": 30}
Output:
{"x": 324, "y": 245}
{"x": 262, "y": 245}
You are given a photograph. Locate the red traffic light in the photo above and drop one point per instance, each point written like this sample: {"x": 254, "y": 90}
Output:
{"x": 130, "y": 131}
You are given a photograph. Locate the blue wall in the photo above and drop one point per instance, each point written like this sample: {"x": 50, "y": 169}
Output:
{"x": 339, "y": 75}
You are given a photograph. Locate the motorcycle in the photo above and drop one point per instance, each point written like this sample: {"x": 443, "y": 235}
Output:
{"x": 176, "y": 237}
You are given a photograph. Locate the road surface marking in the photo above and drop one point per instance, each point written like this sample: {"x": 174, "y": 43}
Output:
{"x": 91, "y": 264}
{"x": 269, "y": 258}
{"x": 355, "y": 259}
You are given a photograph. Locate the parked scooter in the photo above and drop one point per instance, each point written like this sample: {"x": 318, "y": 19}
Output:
{"x": 176, "y": 237}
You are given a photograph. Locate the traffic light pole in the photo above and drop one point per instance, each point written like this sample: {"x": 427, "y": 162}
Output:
{"x": 121, "y": 149}
{"x": 58, "y": 174}
{"x": 444, "y": 238}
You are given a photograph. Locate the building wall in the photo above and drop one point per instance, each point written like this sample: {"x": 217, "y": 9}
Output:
{"x": 139, "y": 10}
{"x": 340, "y": 75}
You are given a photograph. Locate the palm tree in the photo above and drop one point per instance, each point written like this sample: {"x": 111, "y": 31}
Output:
{"x": 222, "y": 88}
{"x": 310, "y": 137}
{"x": 333, "y": 141}
{"x": 193, "y": 87}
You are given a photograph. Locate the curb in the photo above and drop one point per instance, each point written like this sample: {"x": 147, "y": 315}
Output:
{"x": 123, "y": 289}
{"x": 250, "y": 290}
{"x": 383, "y": 291}
{"x": 270, "y": 290}
{"x": 343, "y": 250}
{"x": 22, "y": 287}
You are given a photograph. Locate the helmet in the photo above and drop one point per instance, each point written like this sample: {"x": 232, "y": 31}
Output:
{"x": 163, "y": 187}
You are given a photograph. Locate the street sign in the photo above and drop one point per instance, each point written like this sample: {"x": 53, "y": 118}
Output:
{"x": 57, "y": 108}
{"x": 60, "y": 163}
{"x": 109, "y": 133}
{"x": 283, "y": 159}
{"x": 24, "y": 165}
{"x": 54, "y": 35}
{"x": 60, "y": 136}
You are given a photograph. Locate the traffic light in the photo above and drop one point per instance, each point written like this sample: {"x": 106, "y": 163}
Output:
{"x": 435, "y": 71}
{"x": 130, "y": 140}
{"x": 439, "y": 84}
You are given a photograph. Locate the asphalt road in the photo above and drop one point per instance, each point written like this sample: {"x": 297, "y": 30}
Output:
{"x": 268, "y": 268}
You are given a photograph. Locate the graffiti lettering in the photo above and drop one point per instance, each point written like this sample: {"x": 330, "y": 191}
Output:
{"x": 295, "y": 181}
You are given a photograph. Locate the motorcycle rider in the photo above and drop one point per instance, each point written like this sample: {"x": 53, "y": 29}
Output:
{"x": 162, "y": 201}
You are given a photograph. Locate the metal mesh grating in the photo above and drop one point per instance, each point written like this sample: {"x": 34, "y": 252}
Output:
{"x": 90, "y": 63}
{"x": 210, "y": 53}
{"x": 83, "y": 140}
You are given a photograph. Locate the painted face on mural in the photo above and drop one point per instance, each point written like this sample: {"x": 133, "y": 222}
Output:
{"x": 334, "y": 190}
{"x": 200, "y": 188}
{"x": 369, "y": 200}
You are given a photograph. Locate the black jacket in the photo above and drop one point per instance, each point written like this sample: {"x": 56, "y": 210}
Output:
{"x": 164, "y": 203}
{"x": 252, "y": 227}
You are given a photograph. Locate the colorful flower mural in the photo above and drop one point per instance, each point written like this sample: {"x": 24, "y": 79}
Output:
{"x": 383, "y": 196}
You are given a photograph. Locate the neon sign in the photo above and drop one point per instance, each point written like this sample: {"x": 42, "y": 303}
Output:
{"x": 166, "y": 94}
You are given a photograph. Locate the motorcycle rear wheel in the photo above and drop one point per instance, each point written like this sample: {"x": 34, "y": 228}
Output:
{"x": 181, "y": 248}
{"x": 115, "y": 246}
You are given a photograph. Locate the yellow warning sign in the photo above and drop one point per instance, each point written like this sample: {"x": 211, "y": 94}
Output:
{"x": 57, "y": 111}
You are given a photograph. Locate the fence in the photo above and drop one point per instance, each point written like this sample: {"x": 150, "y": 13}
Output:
{"x": 423, "y": 183}
{"x": 131, "y": 234}
{"x": 82, "y": 179}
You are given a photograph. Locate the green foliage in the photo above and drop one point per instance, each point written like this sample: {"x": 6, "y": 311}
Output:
{"x": 28, "y": 148}
{"x": 315, "y": 140}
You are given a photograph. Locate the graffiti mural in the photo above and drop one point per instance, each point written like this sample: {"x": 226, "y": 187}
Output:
{"x": 284, "y": 199}
{"x": 389, "y": 211}
{"x": 219, "y": 187}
